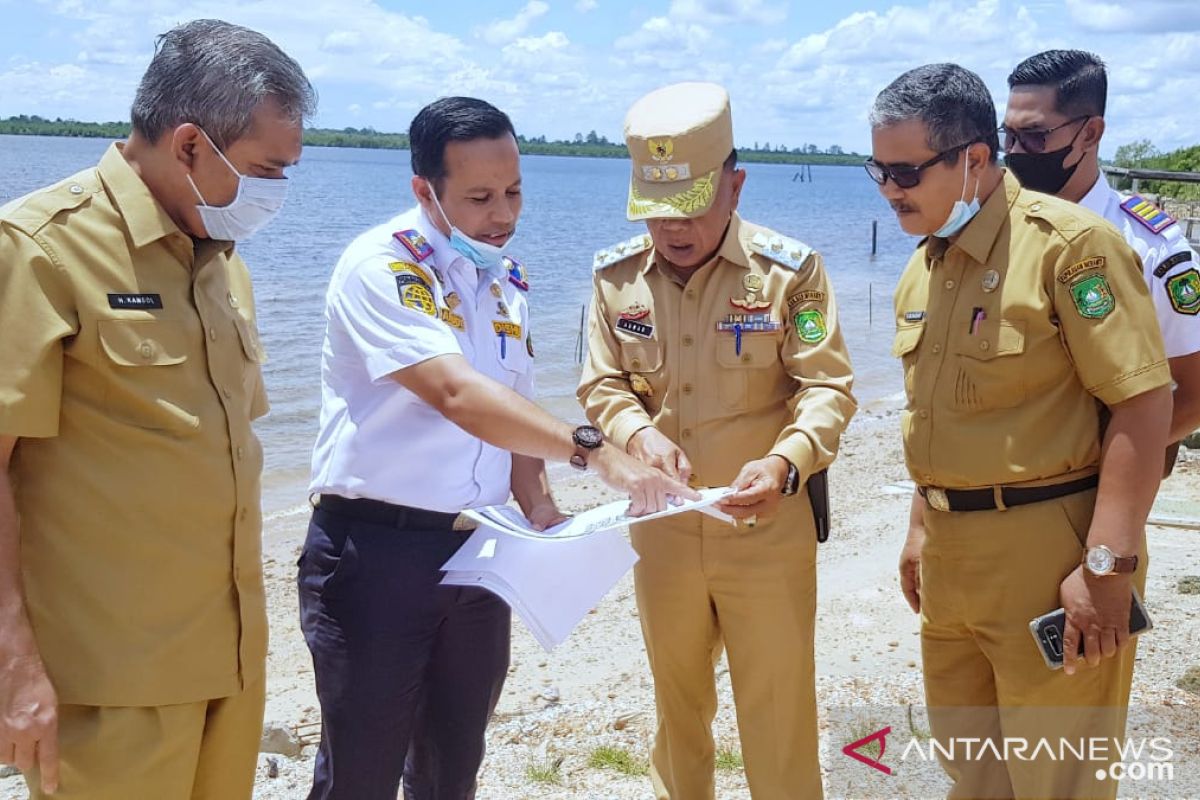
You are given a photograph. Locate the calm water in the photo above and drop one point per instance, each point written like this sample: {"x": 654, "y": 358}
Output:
{"x": 573, "y": 207}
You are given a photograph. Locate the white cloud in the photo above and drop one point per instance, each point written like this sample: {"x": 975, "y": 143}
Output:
{"x": 584, "y": 6}
{"x": 505, "y": 30}
{"x": 1148, "y": 16}
{"x": 724, "y": 12}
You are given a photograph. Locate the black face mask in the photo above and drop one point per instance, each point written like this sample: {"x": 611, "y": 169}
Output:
{"x": 1042, "y": 172}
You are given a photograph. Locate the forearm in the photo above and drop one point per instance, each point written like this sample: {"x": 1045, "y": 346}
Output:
{"x": 505, "y": 419}
{"x": 16, "y": 635}
{"x": 916, "y": 512}
{"x": 1130, "y": 468}
{"x": 1185, "y": 412}
{"x": 530, "y": 486}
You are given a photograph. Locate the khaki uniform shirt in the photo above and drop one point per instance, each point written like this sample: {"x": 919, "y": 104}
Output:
{"x": 1010, "y": 335}
{"x": 130, "y": 373}
{"x": 666, "y": 354}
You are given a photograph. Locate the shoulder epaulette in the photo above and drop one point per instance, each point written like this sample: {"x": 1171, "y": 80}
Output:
{"x": 622, "y": 250}
{"x": 31, "y": 212}
{"x": 415, "y": 243}
{"x": 791, "y": 253}
{"x": 516, "y": 273}
{"x": 1147, "y": 214}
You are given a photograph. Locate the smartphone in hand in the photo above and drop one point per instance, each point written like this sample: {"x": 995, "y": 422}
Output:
{"x": 1048, "y": 630}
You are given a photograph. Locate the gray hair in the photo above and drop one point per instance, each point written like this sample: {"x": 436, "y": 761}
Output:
{"x": 953, "y": 103}
{"x": 215, "y": 75}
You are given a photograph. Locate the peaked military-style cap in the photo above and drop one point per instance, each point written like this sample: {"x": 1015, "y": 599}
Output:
{"x": 678, "y": 137}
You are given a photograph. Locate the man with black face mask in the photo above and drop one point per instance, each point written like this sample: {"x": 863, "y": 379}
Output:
{"x": 1052, "y": 130}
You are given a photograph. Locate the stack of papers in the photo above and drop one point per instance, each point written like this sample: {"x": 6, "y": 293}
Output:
{"x": 552, "y": 578}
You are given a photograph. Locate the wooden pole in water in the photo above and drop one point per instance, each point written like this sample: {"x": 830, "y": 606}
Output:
{"x": 874, "y": 234}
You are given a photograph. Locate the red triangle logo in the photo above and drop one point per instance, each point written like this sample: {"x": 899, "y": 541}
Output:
{"x": 853, "y": 748}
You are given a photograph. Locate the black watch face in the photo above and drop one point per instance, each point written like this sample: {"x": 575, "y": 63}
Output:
{"x": 589, "y": 437}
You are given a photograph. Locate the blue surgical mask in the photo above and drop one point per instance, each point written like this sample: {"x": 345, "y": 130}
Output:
{"x": 963, "y": 212}
{"x": 486, "y": 257}
{"x": 257, "y": 202}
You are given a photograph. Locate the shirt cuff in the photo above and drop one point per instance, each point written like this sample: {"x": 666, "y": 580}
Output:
{"x": 1134, "y": 383}
{"x": 626, "y": 425}
{"x": 798, "y": 450}
{"x": 383, "y": 363}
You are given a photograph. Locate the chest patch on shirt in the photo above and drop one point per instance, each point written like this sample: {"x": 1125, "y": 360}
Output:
{"x": 1171, "y": 261}
{"x": 810, "y": 326}
{"x": 1079, "y": 267}
{"x": 1147, "y": 214}
{"x": 415, "y": 243}
{"x": 1093, "y": 297}
{"x": 125, "y": 301}
{"x": 1184, "y": 290}
{"x": 643, "y": 329}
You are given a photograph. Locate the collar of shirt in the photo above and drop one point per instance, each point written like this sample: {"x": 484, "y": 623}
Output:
{"x": 1097, "y": 198}
{"x": 146, "y": 220}
{"x": 735, "y": 248}
{"x": 980, "y": 235}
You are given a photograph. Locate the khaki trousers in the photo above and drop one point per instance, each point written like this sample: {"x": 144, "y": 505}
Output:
{"x": 701, "y": 584}
{"x": 984, "y": 576}
{"x": 206, "y": 750}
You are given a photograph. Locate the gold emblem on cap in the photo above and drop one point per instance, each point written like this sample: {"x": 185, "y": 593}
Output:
{"x": 691, "y": 201}
{"x": 661, "y": 149}
{"x": 752, "y": 283}
{"x": 991, "y": 279}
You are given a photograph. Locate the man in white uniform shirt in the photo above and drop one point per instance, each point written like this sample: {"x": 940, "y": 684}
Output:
{"x": 1052, "y": 130}
{"x": 427, "y": 380}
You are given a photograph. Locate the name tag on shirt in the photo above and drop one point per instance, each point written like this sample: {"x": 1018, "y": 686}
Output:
{"x": 125, "y": 301}
{"x": 636, "y": 328}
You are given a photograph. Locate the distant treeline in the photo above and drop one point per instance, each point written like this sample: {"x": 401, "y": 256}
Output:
{"x": 1144, "y": 155}
{"x": 589, "y": 146}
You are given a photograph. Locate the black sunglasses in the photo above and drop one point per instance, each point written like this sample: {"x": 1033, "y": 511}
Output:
{"x": 1033, "y": 140}
{"x": 903, "y": 175}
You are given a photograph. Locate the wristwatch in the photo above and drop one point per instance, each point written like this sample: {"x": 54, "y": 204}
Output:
{"x": 587, "y": 439}
{"x": 1100, "y": 561}
{"x": 791, "y": 484}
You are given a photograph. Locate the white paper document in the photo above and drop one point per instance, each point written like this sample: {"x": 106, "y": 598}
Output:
{"x": 553, "y": 578}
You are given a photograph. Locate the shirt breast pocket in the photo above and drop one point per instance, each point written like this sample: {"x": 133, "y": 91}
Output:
{"x": 512, "y": 354}
{"x": 904, "y": 347}
{"x": 148, "y": 384}
{"x": 744, "y": 374}
{"x": 990, "y": 371}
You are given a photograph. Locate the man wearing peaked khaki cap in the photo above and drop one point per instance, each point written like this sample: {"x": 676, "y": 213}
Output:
{"x": 715, "y": 354}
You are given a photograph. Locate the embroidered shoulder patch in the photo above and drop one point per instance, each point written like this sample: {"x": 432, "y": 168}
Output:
{"x": 810, "y": 326}
{"x": 516, "y": 273}
{"x": 806, "y": 296}
{"x": 399, "y": 267}
{"x": 622, "y": 250}
{"x": 791, "y": 253}
{"x": 1088, "y": 264}
{"x": 1147, "y": 214}
{"x": 1172, "y": 261}
{"x": 1184, "y": 290}
{"x": 415, "y": 243}
{"x": 1093, "y": 297}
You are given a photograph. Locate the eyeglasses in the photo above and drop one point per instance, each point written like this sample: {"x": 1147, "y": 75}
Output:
{"x": 1033, "y": 140}
{"x": 903, "y": 175}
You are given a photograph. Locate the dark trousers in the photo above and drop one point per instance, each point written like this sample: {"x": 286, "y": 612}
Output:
{"x": 407, "y": 672}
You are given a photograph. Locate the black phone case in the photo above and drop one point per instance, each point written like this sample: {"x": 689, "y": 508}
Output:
{"x": 1048, "y": 630}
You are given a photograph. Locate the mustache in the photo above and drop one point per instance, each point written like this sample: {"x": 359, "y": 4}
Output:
{"x": 899, "y": 206}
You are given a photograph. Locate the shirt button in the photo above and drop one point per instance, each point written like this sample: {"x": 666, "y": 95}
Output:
{"x": 686, "y": 433}
{"x": 923, "y": 413}
{"x": 146, "y": 349}
{"x": 243, "y": 514}
{"x": 241, "y": 452}
{"x": 937, "y": 348}
{"x": 687, "y": 388}
{"x": 636, "y": 364}
{"x": 747, "y": 358}
{"x": 228, "y": 394}
{"x": 687, "y": 341}
{"x": 212, "y": 334}
{"x": 949, "y": 284}
{"x": 690, "y": 294}
{"x": 233, "y": 301}
{"x": 1036, "y": 207}
{"x": 75, "y": 188}
{"x": 984, "y": 345}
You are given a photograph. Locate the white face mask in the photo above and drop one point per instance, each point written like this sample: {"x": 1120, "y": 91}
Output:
{"x": 962, "y": 212}
{"x": 257, "y": 202}
{"x": 486, "y": 257}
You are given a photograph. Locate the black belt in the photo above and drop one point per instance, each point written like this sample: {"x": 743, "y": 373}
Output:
{"x": 403, "y": 517}
{"x": 985, "y": 499}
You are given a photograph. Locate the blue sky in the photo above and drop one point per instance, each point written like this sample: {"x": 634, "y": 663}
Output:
{"x": 797, "y": 72}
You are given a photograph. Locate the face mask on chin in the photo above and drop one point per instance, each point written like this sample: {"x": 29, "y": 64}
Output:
{"x": 486, "y": 257}
{"x": 1042, "y": 172}
{"x": 256, "y": 203}
{"x": 962, "y": 212}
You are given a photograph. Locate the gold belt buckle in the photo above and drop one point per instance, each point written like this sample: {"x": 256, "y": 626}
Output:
{"x": 464, "y": 523}
{"x": 937, "y": 498}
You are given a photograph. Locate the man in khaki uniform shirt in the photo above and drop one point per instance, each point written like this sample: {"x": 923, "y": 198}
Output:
{"x": 1023, "y": 324}
{"x": 132, "y": 619}
{"x": 715, "y": 353}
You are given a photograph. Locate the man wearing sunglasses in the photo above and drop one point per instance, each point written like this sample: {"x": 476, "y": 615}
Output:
{"x": 1052, "y": 130}
{"x": 1018, "y": 320}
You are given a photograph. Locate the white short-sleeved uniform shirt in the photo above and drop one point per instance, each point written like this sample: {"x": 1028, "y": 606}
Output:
{"x": 1166, "y": 260}
{"x": 400, "y": 295}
